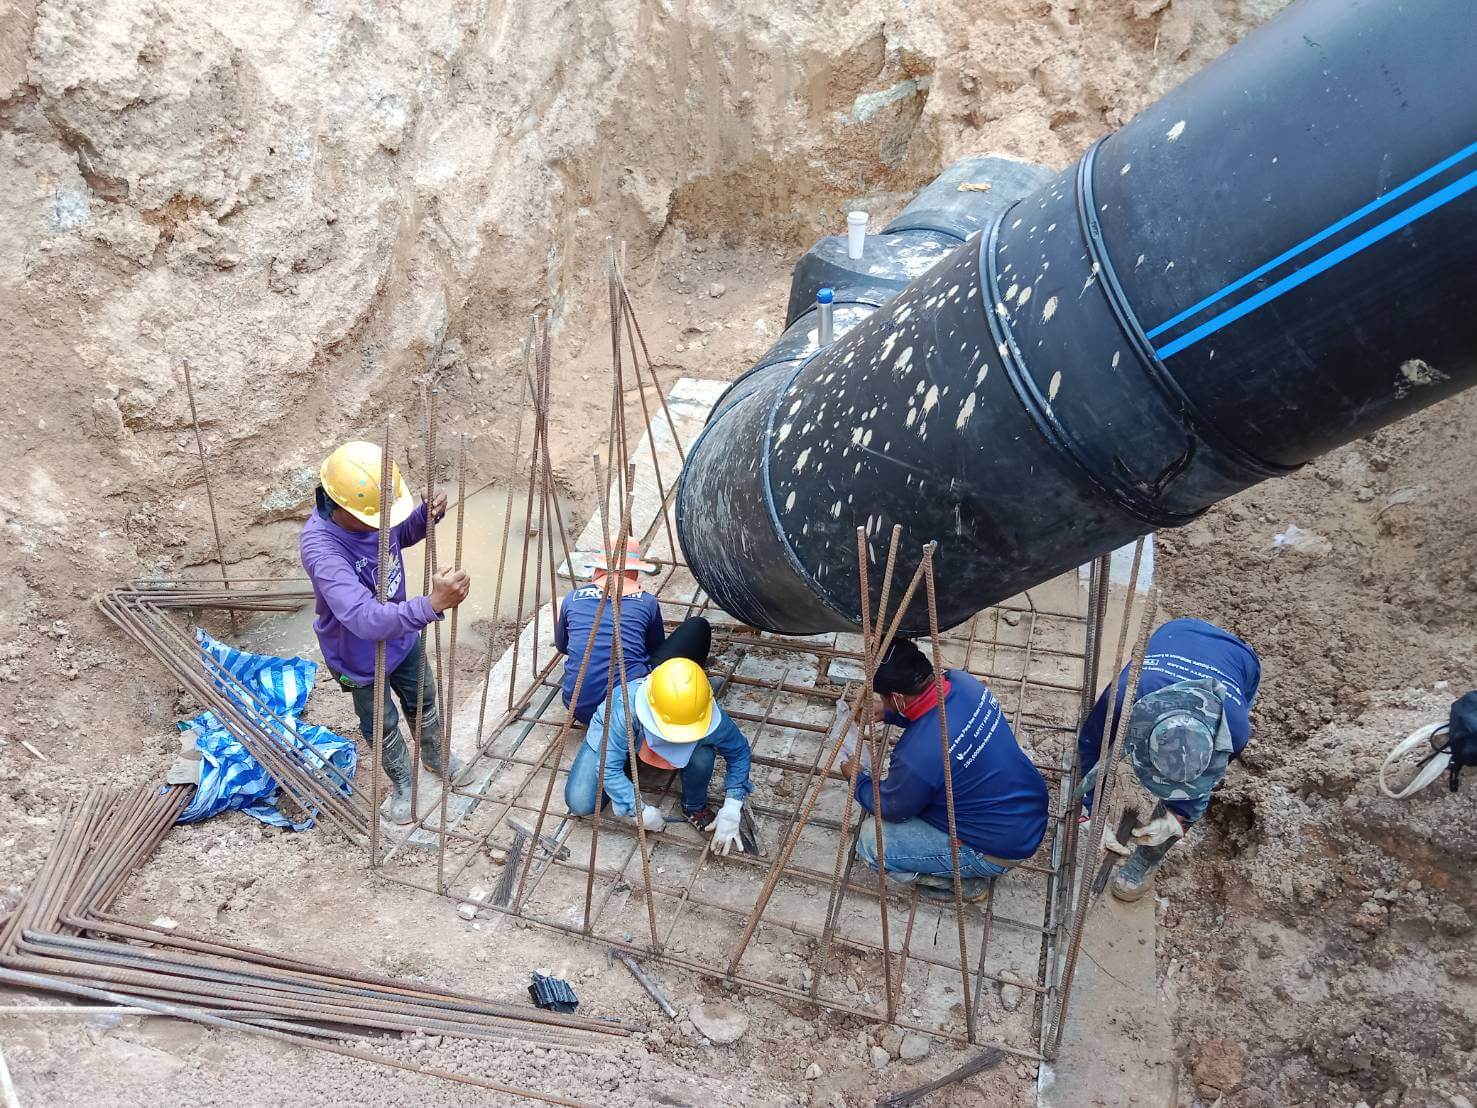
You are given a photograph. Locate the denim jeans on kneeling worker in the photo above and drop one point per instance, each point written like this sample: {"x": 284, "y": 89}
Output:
{"x": 582, "y": 790}
{"x": 915, "y": 849}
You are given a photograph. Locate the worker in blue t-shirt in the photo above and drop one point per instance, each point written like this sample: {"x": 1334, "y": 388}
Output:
{"x": 644, "y": 640}
{"x": 1000, "y": 798}
{"x": 1191, "y": 718}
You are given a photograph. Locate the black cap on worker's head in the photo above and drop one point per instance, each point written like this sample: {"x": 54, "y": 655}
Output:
{"x": 904, "y": 669}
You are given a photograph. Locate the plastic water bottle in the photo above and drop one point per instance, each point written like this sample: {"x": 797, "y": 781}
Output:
{"x": 826, "y": 328}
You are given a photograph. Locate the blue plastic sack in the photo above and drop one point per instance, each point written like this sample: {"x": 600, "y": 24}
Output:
{"x": 230, "y": 778}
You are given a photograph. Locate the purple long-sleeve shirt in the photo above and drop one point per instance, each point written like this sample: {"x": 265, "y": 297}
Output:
{"x": 344, "y": 567}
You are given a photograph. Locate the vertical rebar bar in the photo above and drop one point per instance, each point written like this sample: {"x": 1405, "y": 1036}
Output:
{"x": 420, "y": 677}
{"x": 782, "y": 859}
{"x": 1097, "y": 603}
{"x": 1107, "y": 767}
{"x": 527, "y": 519}
{"x": 502, "y": 547}
{"x": 433, "y": 464}
{"x": 938, "y": 679}
{"x": 381, "y": 592}
{"x": 215, "y": 523}
{"x": 865, "y": 734}
{"x": 446, "y": 720}
{"x": 625, "y": 694}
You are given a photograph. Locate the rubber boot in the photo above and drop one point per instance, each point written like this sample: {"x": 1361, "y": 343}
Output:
{"x": 431, "y": 750}
{"x": 1135, "y": 877}
{"x": 395, "y": 757}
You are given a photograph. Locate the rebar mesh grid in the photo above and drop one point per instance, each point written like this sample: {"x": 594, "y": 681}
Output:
{"x": 783, "y": 694}
{"x": 818, "y": 936}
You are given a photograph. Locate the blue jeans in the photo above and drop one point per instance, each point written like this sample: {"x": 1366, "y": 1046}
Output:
{"x": 919, "y": 852}
{"x": 411, "y": 677}
{"x": 582, "y": 789}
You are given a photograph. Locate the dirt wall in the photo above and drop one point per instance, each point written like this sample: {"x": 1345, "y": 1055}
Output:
{"x": 319, "y": 206}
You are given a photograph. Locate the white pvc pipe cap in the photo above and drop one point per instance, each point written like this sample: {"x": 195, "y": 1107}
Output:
{"x": 856, "y": 233}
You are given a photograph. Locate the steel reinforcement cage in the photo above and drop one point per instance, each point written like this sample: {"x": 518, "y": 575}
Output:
{"x": 802, "y": 922}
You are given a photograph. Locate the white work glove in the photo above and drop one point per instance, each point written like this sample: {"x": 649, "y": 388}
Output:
{"x": 1157, "y": 831}
{"x": 652, "y": 818}
{"x": 852, "y": 739}
{"x": 725, "y": 827}
{"x": 1160, "y": 829}
{"x": 1110, "y": 842}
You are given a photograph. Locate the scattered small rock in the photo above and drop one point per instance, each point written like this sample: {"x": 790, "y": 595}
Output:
{"x": 1371, "y": 917}
{"x": 1460, "y": 965}
{"x": 915, "y": 1047}
{"x": 1222, "y": 1065}
{"x": 717, "y": 289}
{"x": 813, "y": 1071}
{"x": 467, "y": 911}
{"x": 1012, "y": 619}
{"x": 852, "y": 986}
{"x": 722, "y": 1023}
{"x": 497, "y": 855}
{"x": 1302, "y": 541}
{"x": 879, "y": 1058}
{"x": 478, "y": 895}
{"x": 891, "y": 1040}
{"x": 1010, "y": 997}
{"x": 1453, "y": 920}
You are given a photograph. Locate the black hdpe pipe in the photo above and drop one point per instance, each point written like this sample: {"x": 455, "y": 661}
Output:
{"x": 1275, "y": 259}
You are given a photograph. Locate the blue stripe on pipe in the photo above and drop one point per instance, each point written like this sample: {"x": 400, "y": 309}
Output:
{"x": 1332, "y": 229}
{"x": 1328, "y": 261}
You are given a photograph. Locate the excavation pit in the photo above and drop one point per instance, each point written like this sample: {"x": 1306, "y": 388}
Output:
{"x": 820, "y": 936}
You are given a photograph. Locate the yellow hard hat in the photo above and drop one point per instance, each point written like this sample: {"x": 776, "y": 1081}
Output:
{"x": 351, "y": 478}
{"x": 677, "y": 702}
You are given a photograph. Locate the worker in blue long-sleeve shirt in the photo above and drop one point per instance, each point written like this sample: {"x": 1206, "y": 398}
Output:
{"x": 676, "y": 725}
{"x": 1191, "y": 718}
{"x": 645, "y": 643}
{"x": 1000, "y": 798}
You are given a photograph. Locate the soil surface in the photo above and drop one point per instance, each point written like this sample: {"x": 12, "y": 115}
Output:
{"x": 1317, "y": 935}
{"x": 323, "y": 210}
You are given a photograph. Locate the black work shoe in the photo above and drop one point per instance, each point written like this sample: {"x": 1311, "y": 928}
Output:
{"x": 944, "y": 894}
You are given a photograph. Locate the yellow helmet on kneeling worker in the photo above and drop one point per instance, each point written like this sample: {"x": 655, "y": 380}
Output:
{"x": 676, "y": 710}
{"x": 351, "y": 478}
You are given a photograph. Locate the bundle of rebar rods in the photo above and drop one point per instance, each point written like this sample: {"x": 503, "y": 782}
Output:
{"x": 62, "y": 938}
{"x": 311, "y": 781}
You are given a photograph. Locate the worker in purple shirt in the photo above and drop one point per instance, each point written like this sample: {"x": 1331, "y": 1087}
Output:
{"x": 1000, "y": 798}
{"x": 1191, "y": 719}
{"x": 340, "y": 552}
{"x": 645, "y": 643}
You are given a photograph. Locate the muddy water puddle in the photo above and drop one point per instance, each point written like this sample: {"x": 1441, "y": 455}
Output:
{"x": 483, "y": 551}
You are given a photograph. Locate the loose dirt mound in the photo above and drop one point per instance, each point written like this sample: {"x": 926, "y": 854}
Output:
{"x": 1318, "y": 934}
